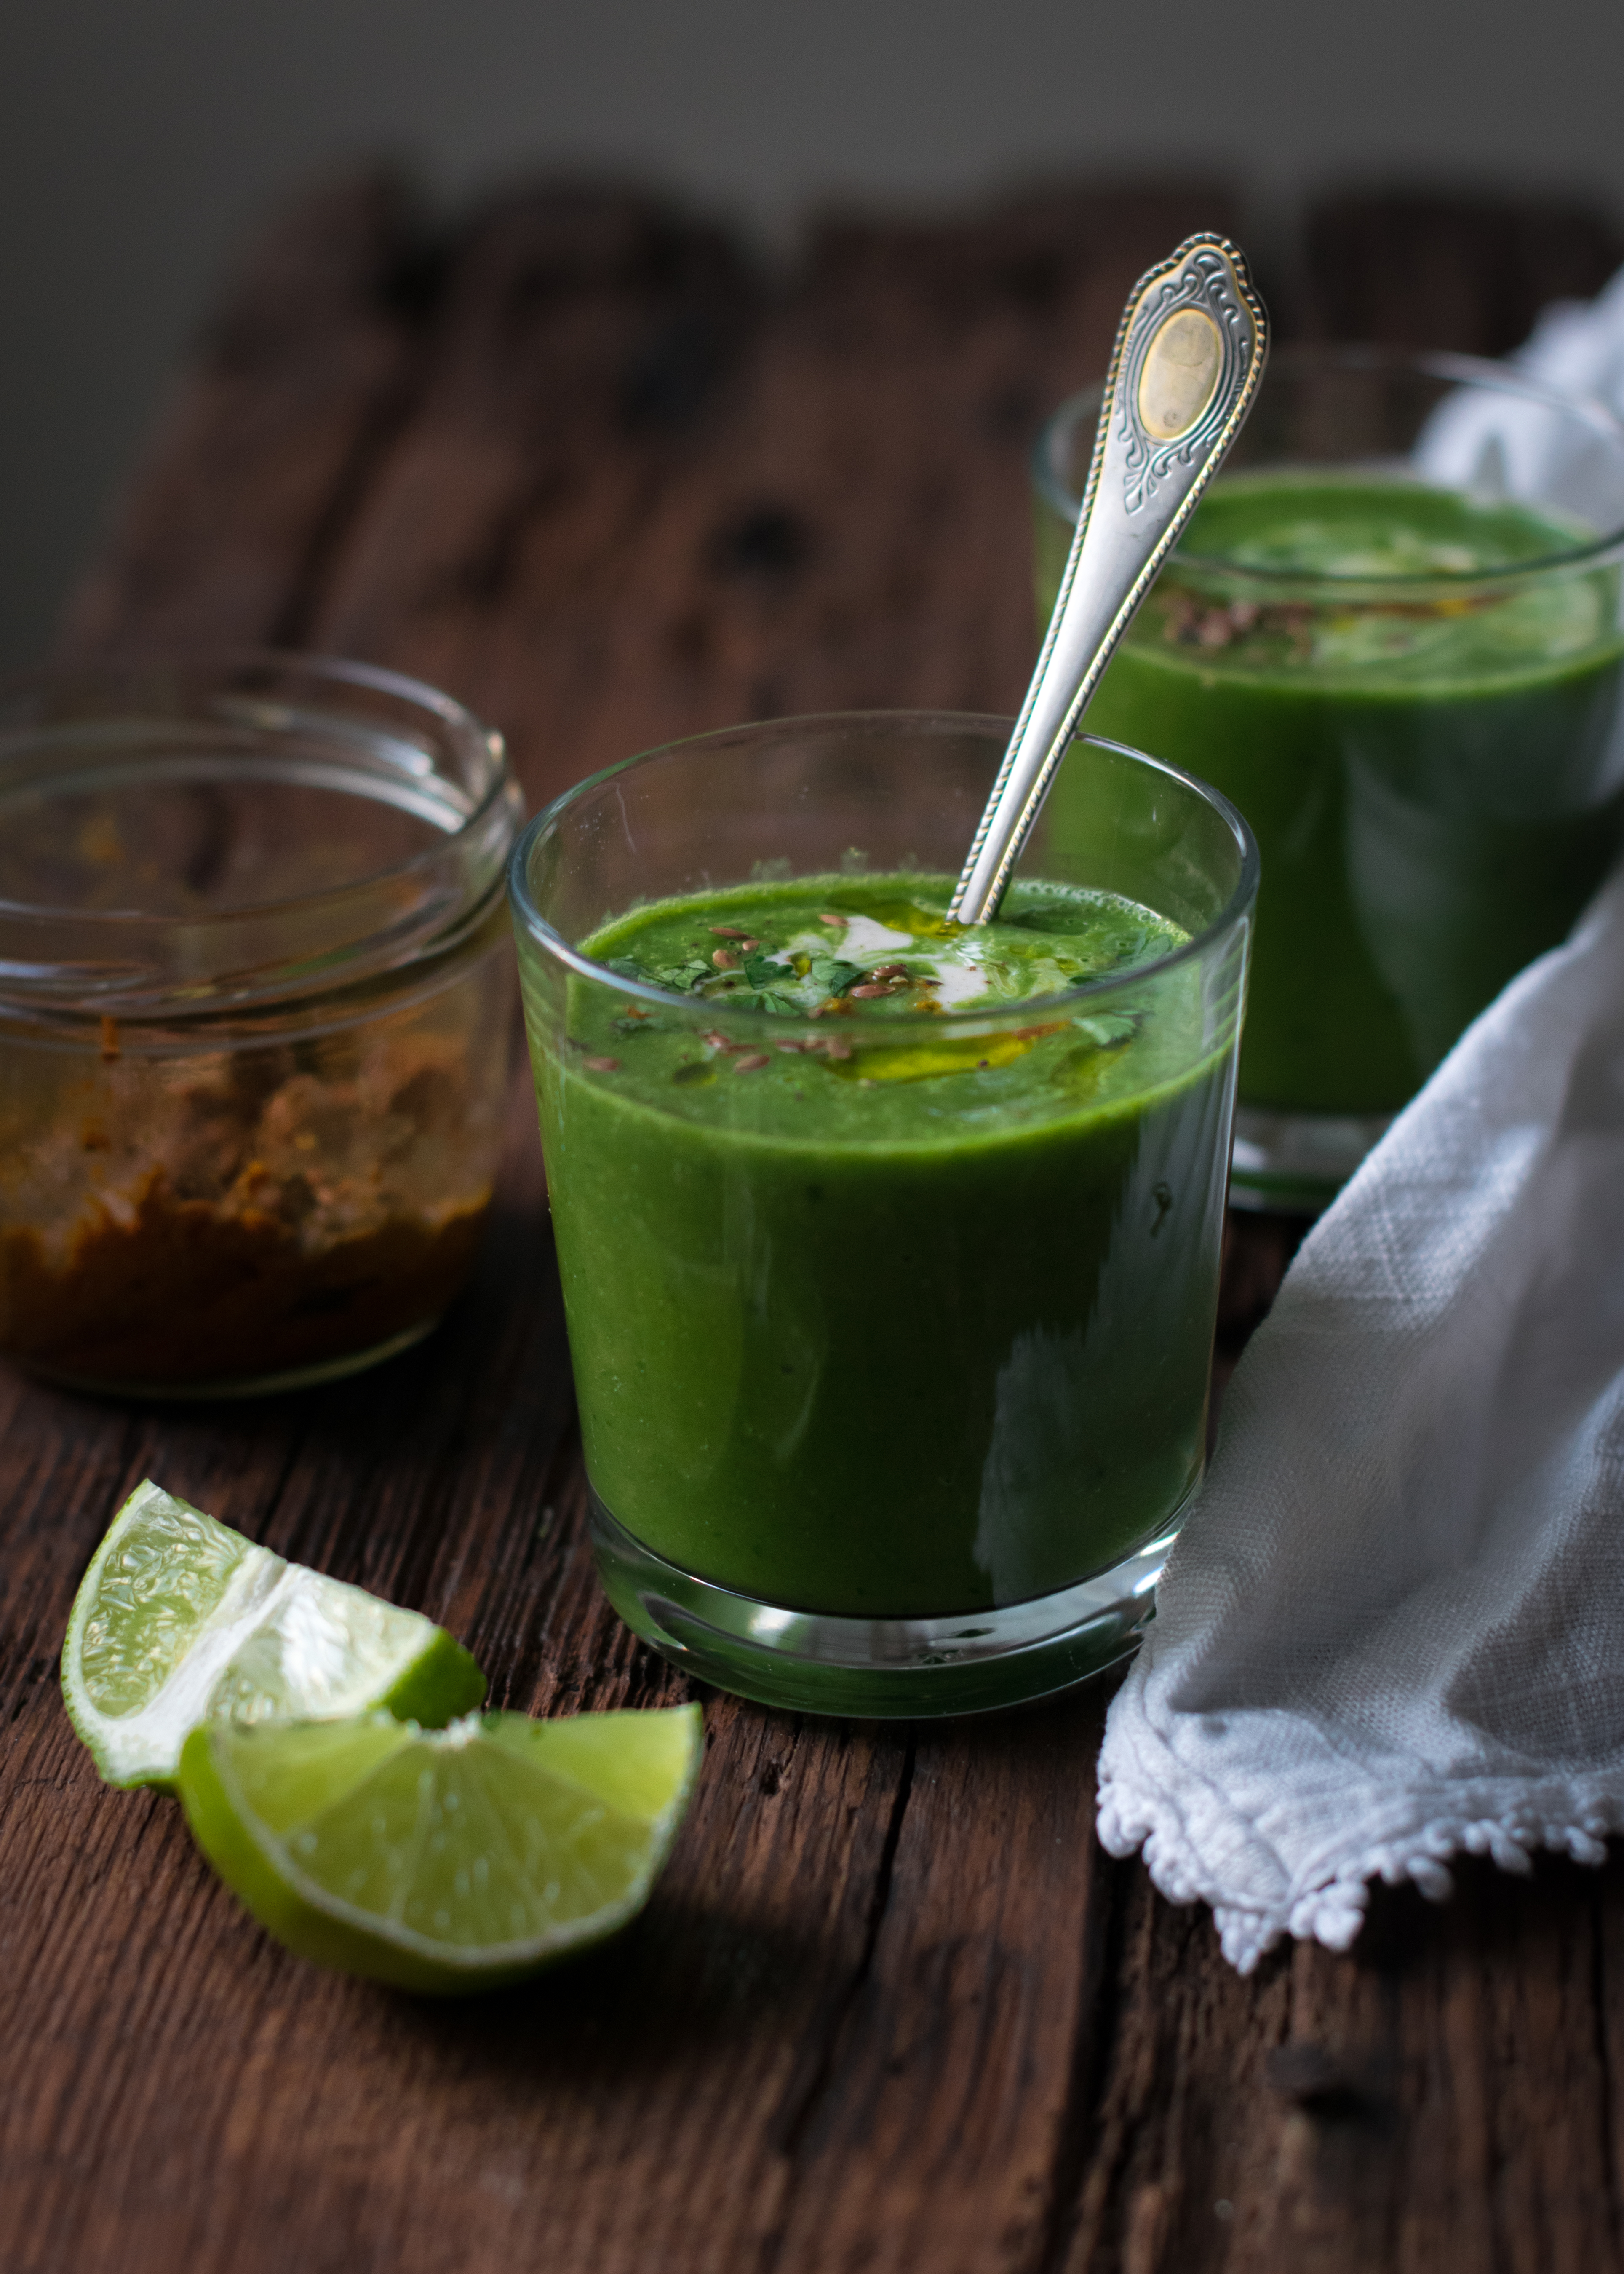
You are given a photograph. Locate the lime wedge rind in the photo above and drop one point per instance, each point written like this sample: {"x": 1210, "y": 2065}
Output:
{"x": 142, "y": 1747}
{"x": 301, "y": 1720}
{"x": 179, "y": 1619}
{"x": 527, "y": 1823}
{"x": 441, "y": 1683}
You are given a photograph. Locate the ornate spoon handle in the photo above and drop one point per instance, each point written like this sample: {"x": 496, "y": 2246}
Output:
{"x": 1189, "y": 355}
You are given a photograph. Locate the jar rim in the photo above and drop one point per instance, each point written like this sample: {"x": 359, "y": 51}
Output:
{"x": 1200, "y": 943}
{"x": 107, "y": 959}
{"x": 1304, "y": 360}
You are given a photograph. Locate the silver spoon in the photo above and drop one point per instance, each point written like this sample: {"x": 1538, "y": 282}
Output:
{"x": 1189, "y": 355}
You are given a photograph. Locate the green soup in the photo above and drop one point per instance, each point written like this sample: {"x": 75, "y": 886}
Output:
{"x": 1433, "y": 783}
{"x": 878, "y": 1306}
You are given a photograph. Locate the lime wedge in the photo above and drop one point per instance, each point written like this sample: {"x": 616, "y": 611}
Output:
{"x": 442, "y": 1860}
{"x": 179, "y": 1620}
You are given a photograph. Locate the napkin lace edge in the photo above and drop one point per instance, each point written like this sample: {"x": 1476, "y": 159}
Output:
{"x": 1330, "y": 1909}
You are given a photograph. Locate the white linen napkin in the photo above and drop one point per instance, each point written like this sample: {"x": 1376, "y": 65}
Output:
{"x": 1394, "y": 1624}
{"x": 1393, "y": 1628}
{"x": 1476, "y": 442}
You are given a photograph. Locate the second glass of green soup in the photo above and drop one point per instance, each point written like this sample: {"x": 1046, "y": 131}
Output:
{"x": 1393, "y": 635}
{"x": 889, "y": 1246}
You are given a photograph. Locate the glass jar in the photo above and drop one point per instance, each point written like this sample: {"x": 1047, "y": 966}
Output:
{"x": 255, "y": 1018}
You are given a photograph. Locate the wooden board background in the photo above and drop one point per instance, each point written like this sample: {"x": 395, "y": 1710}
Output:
{"x": 576, "y": 459}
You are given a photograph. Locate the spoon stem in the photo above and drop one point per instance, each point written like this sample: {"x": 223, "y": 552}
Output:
{"x": 1188, "y": 357}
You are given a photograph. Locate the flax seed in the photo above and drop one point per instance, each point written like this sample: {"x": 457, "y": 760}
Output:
{"x": 726, "y": 931}
{"x": 602, "y": 1065}
{"x": 724, "y": 960}
{"x": 754, "y": 1064}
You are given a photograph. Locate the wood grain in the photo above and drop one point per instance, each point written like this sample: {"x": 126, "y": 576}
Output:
{"x": 581, "y": 461}
{"x": 1431, "y": 269}
{"x": 829, "y": 513}
{"x": 270, "y": 437}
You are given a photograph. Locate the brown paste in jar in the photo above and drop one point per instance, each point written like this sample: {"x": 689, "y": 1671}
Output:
{"x": 288, "y": 1209}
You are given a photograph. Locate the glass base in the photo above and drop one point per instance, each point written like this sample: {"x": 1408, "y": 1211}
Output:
{"x": 1298, "y": 1161}
{"x": 814, "y": 1662}
{"x": 259, "y": 1385}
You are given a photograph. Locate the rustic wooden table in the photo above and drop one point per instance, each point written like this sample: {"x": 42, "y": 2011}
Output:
{"x": 891, "y": 2007}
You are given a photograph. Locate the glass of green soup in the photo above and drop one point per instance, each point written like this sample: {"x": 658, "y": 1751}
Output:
{"x": 889, "y": 1247}
{"x": 1393, "y": 635}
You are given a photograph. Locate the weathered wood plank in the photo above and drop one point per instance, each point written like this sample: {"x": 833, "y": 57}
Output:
{"x": 1442, "y": 2096}
{"x": 1432, "y": 268}
{"x": 890, "y": 2007}
{"x": 428, "y": 1481}
{"x": 254, "y": 2115}
{"x": 939, "y": 2127}
{"x": 839, "y": 518}
{"x": 586, "y": 344}
{"x": 270, "y": 437}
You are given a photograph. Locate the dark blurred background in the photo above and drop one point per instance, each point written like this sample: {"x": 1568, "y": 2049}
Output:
{"x": 140, "y": 139}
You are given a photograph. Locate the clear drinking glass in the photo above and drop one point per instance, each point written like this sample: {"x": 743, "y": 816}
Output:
{"x": 1394, "y": 636}
{"x": 892, "y": 1343}
{"x": 255, "y": 1017}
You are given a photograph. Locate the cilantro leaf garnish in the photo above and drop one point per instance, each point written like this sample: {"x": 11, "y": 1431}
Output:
{"x": 834, "y": 974}
{"x": 768, "y": 999}
{"x": 683, "y": 978}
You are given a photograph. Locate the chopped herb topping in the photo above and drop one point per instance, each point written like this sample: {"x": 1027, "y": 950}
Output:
{"x": 680, "y": 978}
{"x": 833, "y": 975}
{"x": 896, "y": 955}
